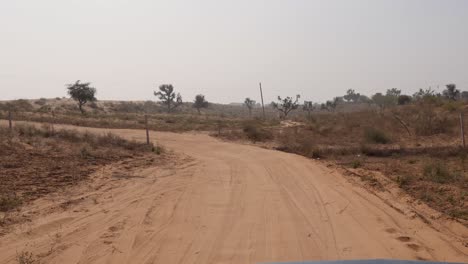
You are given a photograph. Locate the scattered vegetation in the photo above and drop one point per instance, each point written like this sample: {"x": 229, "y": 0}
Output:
{"x": 412, "y": 139}
{"x": 56, "y": 159}
{"x": 436, "y": 171}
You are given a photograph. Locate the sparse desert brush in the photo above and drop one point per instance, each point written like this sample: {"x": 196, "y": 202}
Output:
{"x": 158, "y": 149}
{"x": 85, "y": 152}
{"x": 255, "y": 132}
{"x": 17, "y": 106}
{"x": 73, "y": 136}
{"x": 437, "y": 171}
{"x": 459, "y": 213}
{"x": 26, "y": 257}
{"x": 403, "y": 180}
{"x": 373, "y": 135}
{"x": 41, "y": 102}
{"x": 56, "y": 159}
{"x": 428, "y": 121}
{"x": 356, "y": 164}
{"x": 9, "y": 201}
{"x": 301, "y": 142}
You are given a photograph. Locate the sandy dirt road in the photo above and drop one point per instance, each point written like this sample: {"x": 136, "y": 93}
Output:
{"x": 227, "y": 203}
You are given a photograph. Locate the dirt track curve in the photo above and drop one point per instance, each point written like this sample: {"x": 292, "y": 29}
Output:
{"x": 227, "y": 203}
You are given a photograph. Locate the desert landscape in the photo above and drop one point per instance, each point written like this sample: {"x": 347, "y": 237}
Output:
{"x": 228, "y": 185}
{"x": 234, "y": 132}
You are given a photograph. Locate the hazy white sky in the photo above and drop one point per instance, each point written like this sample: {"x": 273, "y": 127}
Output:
{"x": 223, "y": 49}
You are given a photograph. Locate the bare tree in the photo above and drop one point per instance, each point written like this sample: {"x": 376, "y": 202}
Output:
{"x": 200, "y": 102}
{"x": 250, "y": 104}
{"x": 82, "y": 93}
{"x": 168, "y": 97}
{"x": 286, "y": 105}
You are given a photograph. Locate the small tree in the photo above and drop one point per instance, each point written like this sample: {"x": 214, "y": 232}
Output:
{"x": 404, "y": 99}
{"x": 364, "y": 99}
{"x": 392, "y": 95}
{"x": 331, "y": 105}
{"x": 425, "y": 95}
{"x": 286, "y": 105}
{"x": 200, "y": 102}
{"x": 451, "y": 92}
{"x": 168, "y": 97}
{"x": 394, "y": 92}
{"x": 383, "y": 101}
{"x": 82, "y": 93}
{"x": 250, "y": 104}
{"x": 308, "y": 107}
{"x": 351, "y": 96}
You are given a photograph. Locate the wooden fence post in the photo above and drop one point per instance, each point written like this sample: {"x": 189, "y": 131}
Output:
{"x": 462, "y": 130}
{"x": 263, "y": 106}
{"x": 147, "y": 131}
{"x": 10, "y": 125}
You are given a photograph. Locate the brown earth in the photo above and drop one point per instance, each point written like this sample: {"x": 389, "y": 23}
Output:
{"x": 223, "y": 202}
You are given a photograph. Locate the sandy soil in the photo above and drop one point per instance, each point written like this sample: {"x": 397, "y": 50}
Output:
{"x": 223, "y": 202}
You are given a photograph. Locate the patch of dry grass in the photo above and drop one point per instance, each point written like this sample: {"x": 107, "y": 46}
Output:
{"x": 55, "y": 159}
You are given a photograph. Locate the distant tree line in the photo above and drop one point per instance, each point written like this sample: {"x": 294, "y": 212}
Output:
{"x": 83, "y": 93}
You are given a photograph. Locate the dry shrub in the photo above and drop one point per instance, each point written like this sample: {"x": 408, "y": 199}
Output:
{"x": 403, "y": 180}
{"x": 437, "y": 171}
{"x": 373, "y": 135}
{"x": 26, "y": 257}
{"x": 17, "y": 105}
{"x": 41, "y": 102}
{"x": 73, "y": 136}
{"x": 429, "y": 122}
{"x": 8, "y": 202}
{"x": 300, "y": 142}
{"x": 256, "y": 133}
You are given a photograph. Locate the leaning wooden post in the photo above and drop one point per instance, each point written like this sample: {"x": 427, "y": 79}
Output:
{"x": 10, "y": 125}
{"x": 263, "y": 106}
{"x": 147, "y": 131}
{"x": 462, "y": 130}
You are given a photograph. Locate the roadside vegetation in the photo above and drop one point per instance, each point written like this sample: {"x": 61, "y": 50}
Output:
{"x": 414, "y": 140}
{"x": 36, "y": 161}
